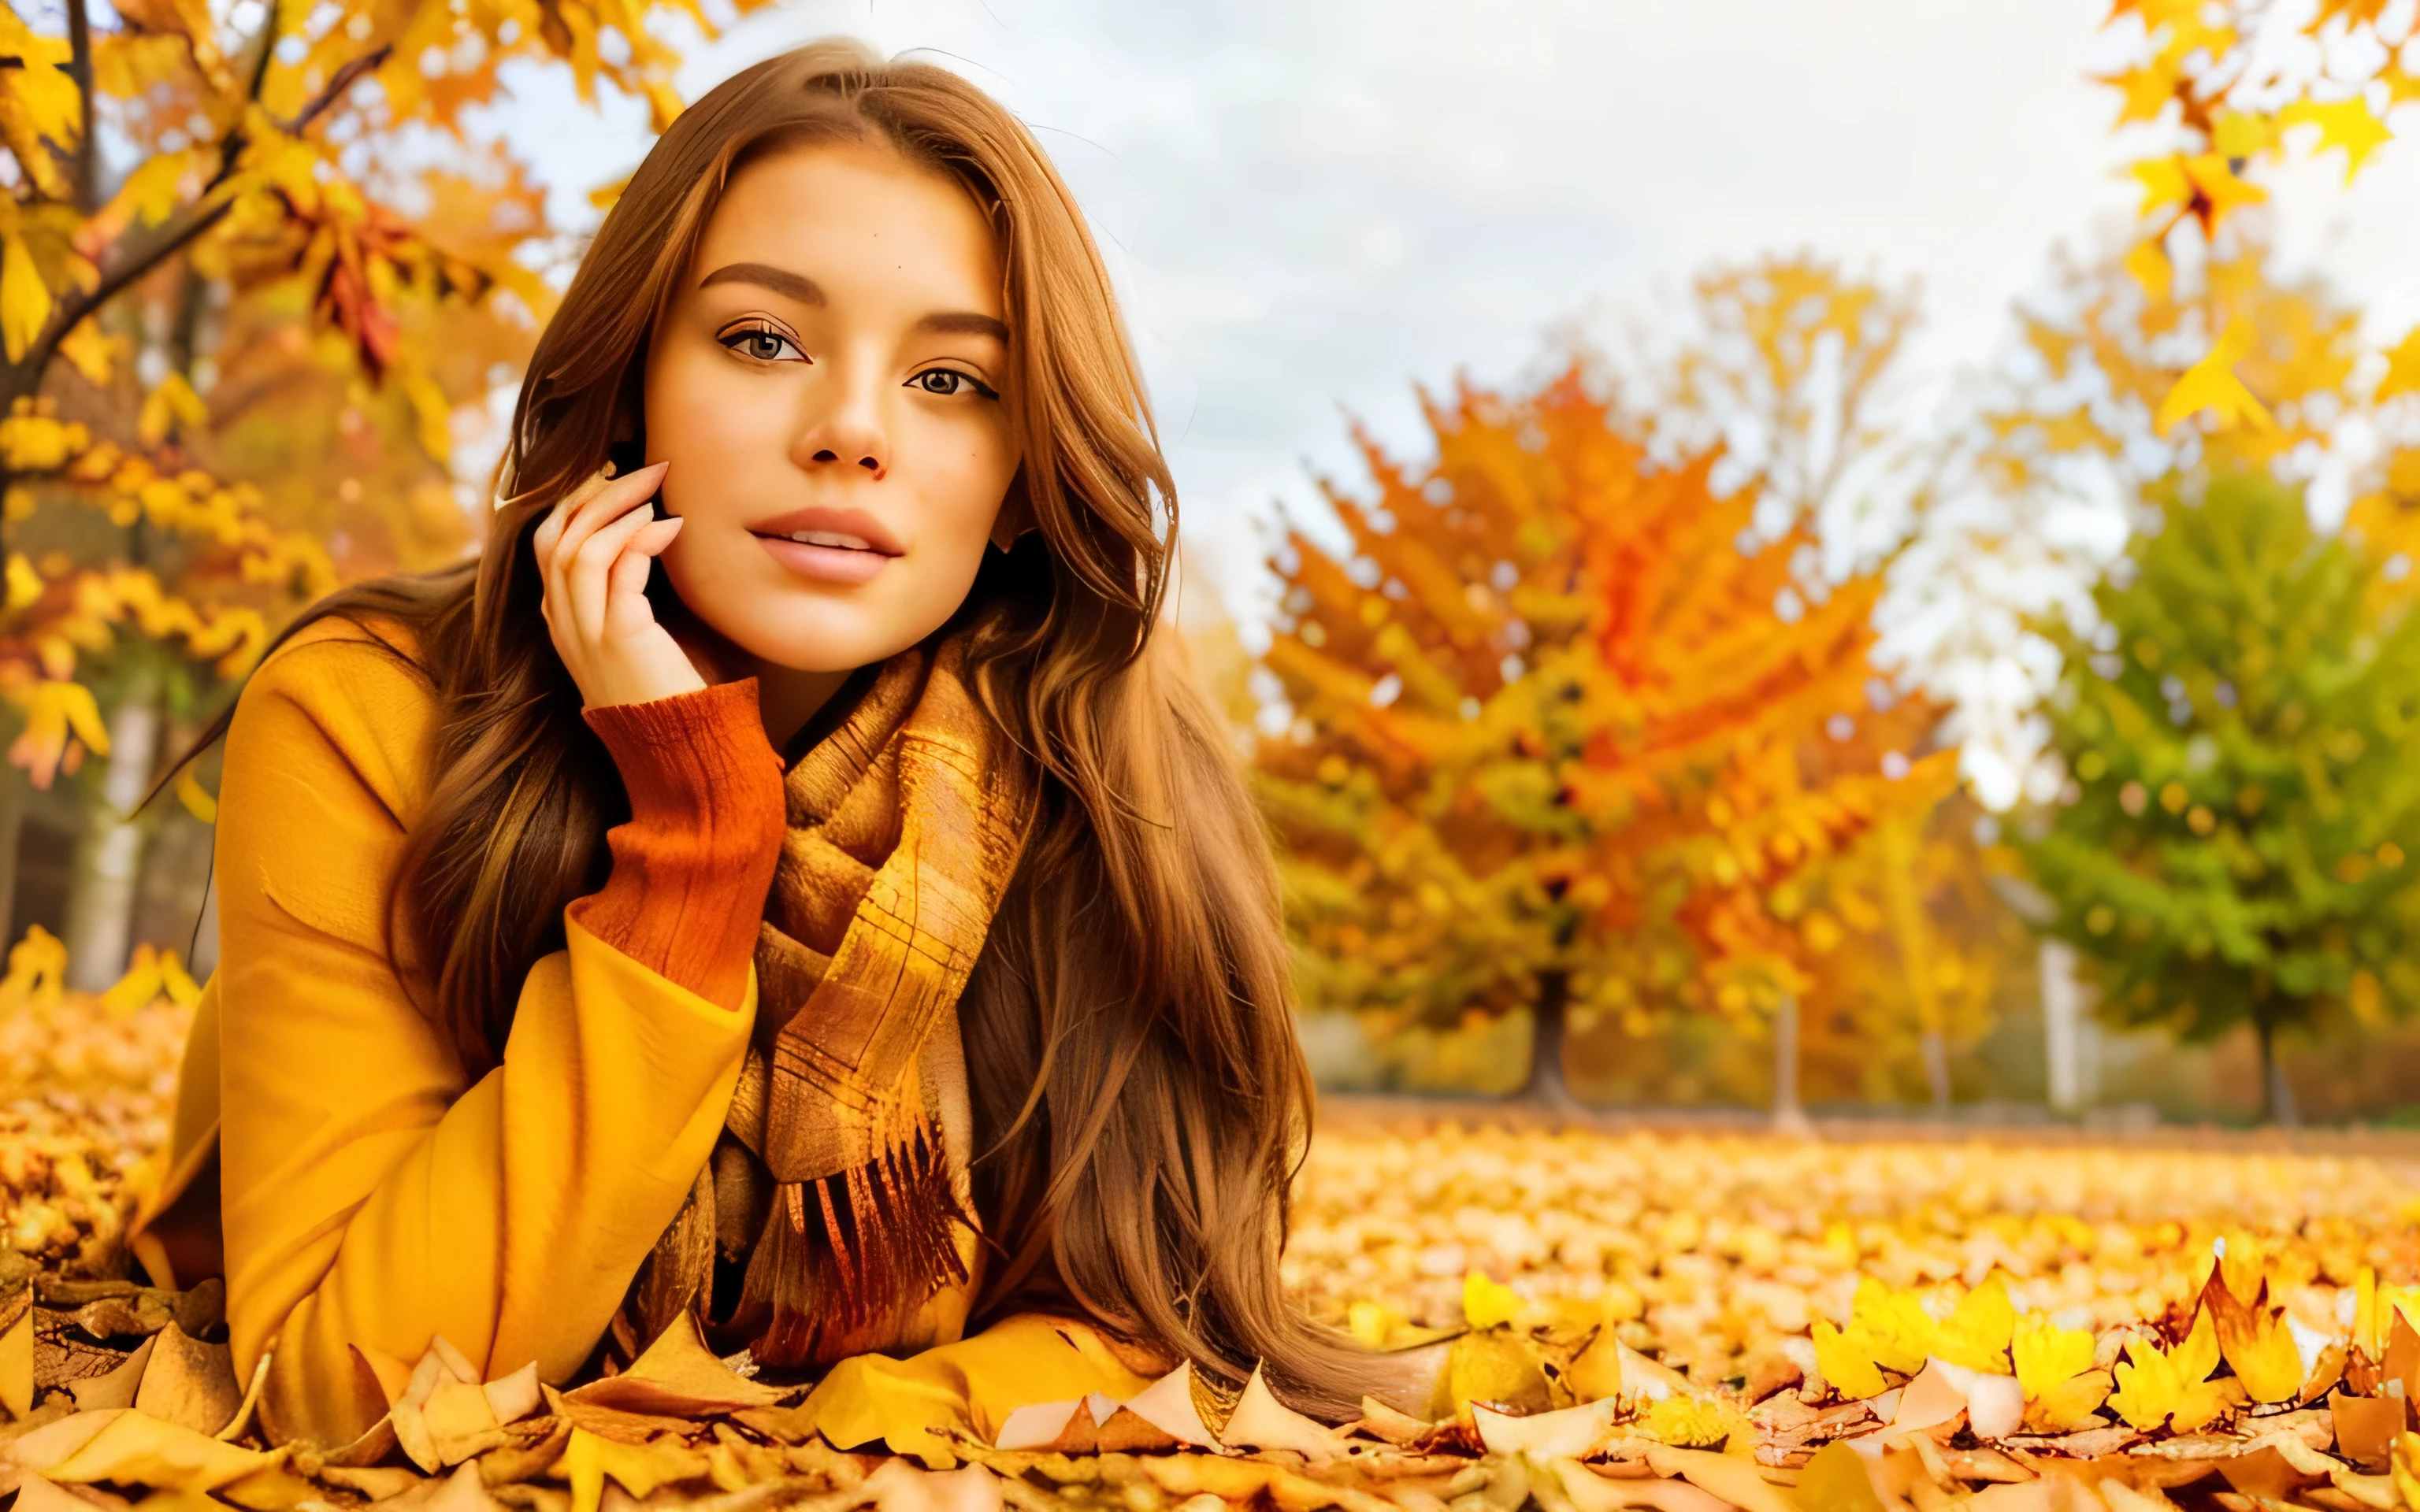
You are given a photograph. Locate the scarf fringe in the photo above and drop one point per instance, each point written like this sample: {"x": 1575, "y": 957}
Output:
{"x": 876, "y": 1241}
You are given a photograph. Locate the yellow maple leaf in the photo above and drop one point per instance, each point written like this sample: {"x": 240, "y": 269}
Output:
{"x": 2212, "y": 384}
{"x": 171, "y": 404}
{"x": 2242, "y": 134}
{"x": 1977, "y": 1334}
{"x": 2148, "y": 90}
{"x": 53, "y": 709}
{"x": 2402, "y": 368}
{"x": 2164, "y": 183}
{"x": 25, "y": 299}
{"x": 1486, "y": 1303}
{"x": 2173, "y": 1385}
{"x": 25, "y": 584}
{"x": 2343, "y": 123}
{"x": 2254, "y": 1340}
{"x": 1847, "y": 1363}
{"x": 2072, "y": 1405}
{"x": 2046, "y": 1355}
{"x": 2221, "y": 189}
{"x": 1901, "y": 1332}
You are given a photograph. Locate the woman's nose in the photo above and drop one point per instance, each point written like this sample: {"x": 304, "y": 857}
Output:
{"x": 848, "y": 434}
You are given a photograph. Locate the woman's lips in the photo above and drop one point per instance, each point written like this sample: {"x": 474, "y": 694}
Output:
{"x": 829, "y": 556}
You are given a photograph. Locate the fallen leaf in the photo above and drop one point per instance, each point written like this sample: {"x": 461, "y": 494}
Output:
{"x": 459, "y": 1422}
{"x": 1836, "y": 1480}
{"x": 17, "y": 1354}
{"x": 639, "y": 1468}
{"x": 677, "y": 1375}
{"x": 1260, "y": 1421}
{"x": 1571, "y": 1432}
{"x": 115, "y": 1389}
{"x": 1487, "y": 1303}
{"x": 2072, "y": 1406}
{"x": 137, "y": 1449}
{"x": 514, "y": 1397}
{"x": 1168, "y": 1404}
{"x": 2170, "y": 1387}
{"x": 1486, "y": 1365}
{"x": 1736, "y": 1480}
{"x": 2366, "y": 1427}
{"x": 2254, "y": 1340}
{"x": 189, "y": 1382}
{"x": 1388, "y": 1425}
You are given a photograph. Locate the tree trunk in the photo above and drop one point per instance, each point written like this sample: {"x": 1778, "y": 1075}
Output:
{"x": 1789, "y": 1118}
{"x": 1548, "y": 1021}
{"x": 12, "y": 824}
{"x": 109, "y": 865}
{"x": 1936, "y": 1070}
{"x": 2276, "y": 1092}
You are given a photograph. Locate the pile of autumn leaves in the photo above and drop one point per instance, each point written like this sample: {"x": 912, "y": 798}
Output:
{"x": 1686, "y": 1323}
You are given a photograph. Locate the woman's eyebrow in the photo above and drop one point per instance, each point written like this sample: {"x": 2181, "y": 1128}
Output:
{"x": 764, "y": 275}
{"x": 964, "y": 322}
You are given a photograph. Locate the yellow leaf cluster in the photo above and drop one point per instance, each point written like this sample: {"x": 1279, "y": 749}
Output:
{"x": 2171, "y": 1387}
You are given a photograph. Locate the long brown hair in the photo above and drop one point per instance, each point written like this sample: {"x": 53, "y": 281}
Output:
{"x": 1139, "y": 1096}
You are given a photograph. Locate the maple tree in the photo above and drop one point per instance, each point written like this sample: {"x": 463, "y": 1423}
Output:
{"x": 220, "y": 245}
{"x": 2233, "y": 848}
{"x": 1557, "y": 741}
{"x": 1436, "y": 676}
{"x": 1748, "y": 746}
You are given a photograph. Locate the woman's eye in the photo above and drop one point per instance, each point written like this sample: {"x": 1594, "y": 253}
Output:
{"x": 948, "y": 381}
{"x": 764, "y": 346}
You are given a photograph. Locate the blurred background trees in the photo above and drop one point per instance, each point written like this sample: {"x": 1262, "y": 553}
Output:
{"x": 1727, "y": 713}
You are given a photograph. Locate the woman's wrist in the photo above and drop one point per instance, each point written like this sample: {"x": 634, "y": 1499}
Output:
{"x": 691, "y": 867}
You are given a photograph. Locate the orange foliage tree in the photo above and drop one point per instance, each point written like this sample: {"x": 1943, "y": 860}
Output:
{"x": 233, "y": 348}
{"x": 1558, "y": 742}
{"x": 1749, "y": 746}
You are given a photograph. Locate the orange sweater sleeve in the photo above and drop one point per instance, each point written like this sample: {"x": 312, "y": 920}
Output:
{"x": 706, "y": 813}
{"x": 373, "y": 1193}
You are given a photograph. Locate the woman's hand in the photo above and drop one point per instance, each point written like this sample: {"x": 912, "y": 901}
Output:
{"x": 593, "y": 551}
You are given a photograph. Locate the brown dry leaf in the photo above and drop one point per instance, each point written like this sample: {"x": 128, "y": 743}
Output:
{"x": 2366, "y": 1427}
{"x": 189, "y": 1382}
{"x": 116, "y": 1388}
{"x": 677, "y": 1375}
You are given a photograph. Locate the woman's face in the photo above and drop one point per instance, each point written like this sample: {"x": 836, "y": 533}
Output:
{"x": 826, "y": 388}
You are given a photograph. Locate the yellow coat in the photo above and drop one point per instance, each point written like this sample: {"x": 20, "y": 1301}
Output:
{"x": 370, "y": 1194}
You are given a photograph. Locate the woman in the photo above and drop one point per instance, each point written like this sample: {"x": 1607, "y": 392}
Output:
{"x": 856, "y": 932}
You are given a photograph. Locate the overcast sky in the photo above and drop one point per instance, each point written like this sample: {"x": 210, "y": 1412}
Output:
{"x": 1313, "y": 205}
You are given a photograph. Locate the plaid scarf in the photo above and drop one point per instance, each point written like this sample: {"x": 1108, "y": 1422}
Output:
{"x": 840, "y": 1179}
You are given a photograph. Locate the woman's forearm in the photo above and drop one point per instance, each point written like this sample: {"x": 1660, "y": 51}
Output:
{"x": 706, "y": 815}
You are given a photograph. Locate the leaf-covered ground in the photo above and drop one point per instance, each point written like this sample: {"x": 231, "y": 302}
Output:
{"x": 1679, "y": 1322}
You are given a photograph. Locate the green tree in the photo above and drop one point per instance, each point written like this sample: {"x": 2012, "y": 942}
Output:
{"x": 2233, "y": 847}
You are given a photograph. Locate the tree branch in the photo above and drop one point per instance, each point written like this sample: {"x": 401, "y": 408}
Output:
{"x": 80, "y": 70}
{"x": 137, "y": 255}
